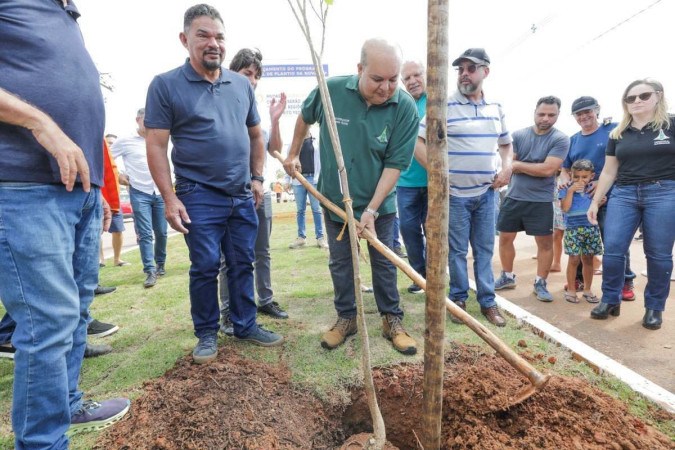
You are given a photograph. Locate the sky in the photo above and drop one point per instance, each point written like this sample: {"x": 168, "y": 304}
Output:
{"x": 545, "y": 47}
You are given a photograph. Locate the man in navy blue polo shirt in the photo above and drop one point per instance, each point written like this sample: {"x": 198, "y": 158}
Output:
{"x": 51, "y": 170}
{"x": 210, "y": 115}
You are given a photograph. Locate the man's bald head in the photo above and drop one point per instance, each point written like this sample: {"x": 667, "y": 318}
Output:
{"x": 381, "y": 48}
{"x": 379, "y": 69}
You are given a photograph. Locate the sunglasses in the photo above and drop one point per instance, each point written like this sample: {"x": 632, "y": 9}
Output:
{"x": 471, "y": 69}
{"x": 644, "y": 97}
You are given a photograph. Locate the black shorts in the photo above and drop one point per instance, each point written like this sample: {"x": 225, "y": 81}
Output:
{"x": 117, "y": 223}
{"x": 534, "y": 218}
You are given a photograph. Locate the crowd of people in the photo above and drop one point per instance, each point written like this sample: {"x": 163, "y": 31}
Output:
{"x": 59, "y": 191}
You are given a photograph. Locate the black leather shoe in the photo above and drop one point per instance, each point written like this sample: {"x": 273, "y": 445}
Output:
{"x": 273, "y": 310}
{"x": 454, "y": 319}
{"x": 161, "y": 271}
{"x": 102, "y": 290}
{"x": 92, "y": 351}
{"x": 604, "y": 310}
{"x": 652, "y": 319}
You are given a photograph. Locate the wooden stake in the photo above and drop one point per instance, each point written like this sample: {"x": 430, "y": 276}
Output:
{"x": 437, "y": 222}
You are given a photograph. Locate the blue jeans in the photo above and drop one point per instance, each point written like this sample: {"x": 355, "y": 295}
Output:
{"x": 653, "y": 204}
{"x": 263, "y": 262}
{"x": 49, "y": 243}
{"x": 301, "y": 205}
{"x": 396, "y": 233}
{"x": 412, "y": 213}
{"x": 342, "y": 272}
{"x": 149, "y": 218}
{"x": 7, "y": 326}
{"x": 472, "y": 220}
{"x": 629, "y": 275}
{"x": 219, "y": 223}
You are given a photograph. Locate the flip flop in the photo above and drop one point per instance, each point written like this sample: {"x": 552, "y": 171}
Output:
{"x": 591, "y": 298}
{"x": 123, "y": 263}
{"x": 572, "y": 298}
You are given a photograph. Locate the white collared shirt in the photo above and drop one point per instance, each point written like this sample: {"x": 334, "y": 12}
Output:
{"x": 132, "y": 151}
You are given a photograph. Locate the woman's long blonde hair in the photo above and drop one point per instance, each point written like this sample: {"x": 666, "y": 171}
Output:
{"x": 661, "y": 119}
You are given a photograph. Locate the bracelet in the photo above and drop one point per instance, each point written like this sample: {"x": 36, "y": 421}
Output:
{"x": 257, "y": 178}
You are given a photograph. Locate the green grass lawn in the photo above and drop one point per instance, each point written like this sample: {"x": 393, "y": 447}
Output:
{"x": 156, "y": 330}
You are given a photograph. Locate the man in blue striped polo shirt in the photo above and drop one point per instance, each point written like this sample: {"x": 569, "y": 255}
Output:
{"x": 476, "y": 131}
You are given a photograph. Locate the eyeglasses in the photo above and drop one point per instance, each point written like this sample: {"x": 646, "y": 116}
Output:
{"x": 644, "y": 97}
{"x": 471, "y": 68}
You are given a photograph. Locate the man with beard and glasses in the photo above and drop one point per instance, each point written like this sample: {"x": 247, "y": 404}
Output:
{"x": 211, "y": 117}
{"x": 539, "y": 151}
{"x": 476, "y": 133}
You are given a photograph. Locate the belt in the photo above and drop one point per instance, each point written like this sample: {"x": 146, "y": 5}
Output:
{"x": 308, "y": 174}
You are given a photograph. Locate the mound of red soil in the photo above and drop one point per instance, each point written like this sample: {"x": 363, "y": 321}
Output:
{"x": 567, "y": 414}
{"x": 235, "y": 403}
{"x": 232, "y": 403}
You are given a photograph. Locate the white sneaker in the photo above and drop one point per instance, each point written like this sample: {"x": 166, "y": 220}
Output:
{"x": 321, "y": 243}
{"x": 297, "y": 243}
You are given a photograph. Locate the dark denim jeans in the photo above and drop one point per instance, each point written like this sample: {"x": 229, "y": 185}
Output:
{"x": 263, "y": 261}
{"x": 219, "y": 222}
{"x": 472, "y": 220}
{"x": 342, "y": 272}
{"x": 49, "y": 243}
{"x": 7, "y": 326}
{"x": 148, "y": 220}
{"x": 653, "y": 204}
{"x": 412, "y": 214}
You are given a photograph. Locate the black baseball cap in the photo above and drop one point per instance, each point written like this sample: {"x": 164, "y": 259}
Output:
{"x": 476, "y": 55}
{"x": 584, "y": 103}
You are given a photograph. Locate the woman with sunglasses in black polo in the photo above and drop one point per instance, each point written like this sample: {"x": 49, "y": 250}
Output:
{"x": 640, "y": 163}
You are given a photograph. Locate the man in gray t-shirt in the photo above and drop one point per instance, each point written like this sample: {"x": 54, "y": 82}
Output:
{"x": 538, "y": 153}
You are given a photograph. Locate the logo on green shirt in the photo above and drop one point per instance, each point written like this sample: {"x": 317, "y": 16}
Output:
{"x": 382, "y": 138}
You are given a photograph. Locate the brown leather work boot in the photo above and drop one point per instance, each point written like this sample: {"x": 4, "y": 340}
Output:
{"x": 392, "y": 329}
{"x": 336, "y": 336}
{"x": 493, "y": 315}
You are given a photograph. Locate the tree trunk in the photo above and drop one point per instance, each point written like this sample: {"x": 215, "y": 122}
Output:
{"x": 437, "y": 221}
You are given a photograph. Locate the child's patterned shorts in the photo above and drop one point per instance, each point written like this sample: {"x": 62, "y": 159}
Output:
{"x": 583, "y": 241}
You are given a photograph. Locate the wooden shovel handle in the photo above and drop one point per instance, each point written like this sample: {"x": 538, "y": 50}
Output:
{"x": 518, "y": 363}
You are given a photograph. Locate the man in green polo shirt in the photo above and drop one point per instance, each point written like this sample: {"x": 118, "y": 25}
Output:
{"x": 376, "y": 123}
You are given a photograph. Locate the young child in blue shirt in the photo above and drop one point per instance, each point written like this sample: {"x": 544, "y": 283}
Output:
{"x": 582, "y": 240}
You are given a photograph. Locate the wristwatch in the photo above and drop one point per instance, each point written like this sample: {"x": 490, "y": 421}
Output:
{"x": 373, "y": 212}
{"x": 257, "y": 178}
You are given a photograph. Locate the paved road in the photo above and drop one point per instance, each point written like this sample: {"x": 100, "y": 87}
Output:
{"x": 129, "y": 241}
{"x": 649, "y": 353}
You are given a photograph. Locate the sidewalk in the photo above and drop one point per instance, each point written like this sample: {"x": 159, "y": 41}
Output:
{"x": 649, "y": 353}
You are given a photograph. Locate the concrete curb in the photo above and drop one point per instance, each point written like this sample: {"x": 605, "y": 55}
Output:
{"x": 582, "y": 352}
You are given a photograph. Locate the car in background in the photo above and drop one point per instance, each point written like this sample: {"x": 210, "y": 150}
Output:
{"x": 125, "y": 203}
